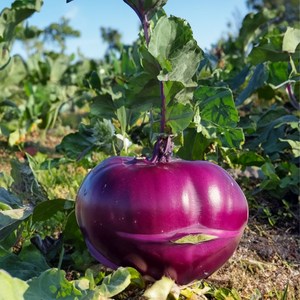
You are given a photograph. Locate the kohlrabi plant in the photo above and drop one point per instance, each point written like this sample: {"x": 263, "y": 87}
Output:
{"x": 161, "y": 214}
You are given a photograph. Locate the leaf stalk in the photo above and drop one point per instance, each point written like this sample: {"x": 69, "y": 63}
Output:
{"x": 143, "y": 16}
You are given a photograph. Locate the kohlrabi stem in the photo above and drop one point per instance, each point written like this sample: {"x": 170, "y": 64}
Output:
{"x": 143, "y": 16}
{"x": 163, "y": 149}
{"x": 163, "y": 107}
{"x": 146, "y": 27}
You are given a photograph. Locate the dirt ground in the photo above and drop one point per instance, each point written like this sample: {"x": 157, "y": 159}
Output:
{"x": 265, "y": 263}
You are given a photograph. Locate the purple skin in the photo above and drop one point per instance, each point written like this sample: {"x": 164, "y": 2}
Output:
{"x": 132, "y": 210}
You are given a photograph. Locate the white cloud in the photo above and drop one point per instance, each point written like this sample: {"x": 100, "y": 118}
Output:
{"x": 72, "y": 12}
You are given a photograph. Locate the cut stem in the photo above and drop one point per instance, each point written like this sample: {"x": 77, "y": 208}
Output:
{"x": 163, "y": 149}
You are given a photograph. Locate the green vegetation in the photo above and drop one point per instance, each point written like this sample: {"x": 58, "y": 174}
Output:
{"x": 236, "y": 105}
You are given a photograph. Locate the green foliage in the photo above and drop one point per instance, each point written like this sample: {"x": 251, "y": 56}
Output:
{"x": 9, "y": 19}
{"x": 175, "y": 50}
{"x": 160, "y": 289}
{"x": 52, "y": 284}
{"x": 237, "y": 106}
{"x": 10, "y": 219}
{"x": 29, "y": 263}
{"x": 13, "y": 288}
{"x": 35, "y": 91}
{"x": 231, "y": 108}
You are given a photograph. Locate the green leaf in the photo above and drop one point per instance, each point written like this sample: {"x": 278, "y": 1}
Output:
{"x": 4, "y": 206}
{"x": 14, "y": 138}
{"x": 216, "y": 105}
{"x": 12, "y": 288}
{"x": 269, "y": 49}
{"x": 25, "y": 184}
{"x": 94, "y": 81}
{"x": 291, "y": 40}
{"x": 128, "y": 64}
{"x": 179, "y": 116}
{"x": 103, "y": 106}
{"x": 5, "y": 60}
{"x": 278, "y": 72}
{"x": 122, "y": 118}
{"x": 174, "y": 47}
{"x": 248, "y": 158}
{"x": 74, "y": 145}
{"x": 72, "y": 232}
{"x": 72, "y": 235}
{"x": 271, "y": 126}
{"x": 160, "y": 289}
{"x": 11, "y": 219}
{"x": 218, "y": 116}
{"x": 235, "y": 82}
{"x": 11, "y": 76}
{"x": 251, "y": 23}
{"x": 292, "y": 179}
{"x": 58, "y": 66}
{"x": 202, "y": 290}
{"x": 9, "y": 19}
{"x": 46, "y": 210}
{"x": 226, "y": 293}
{"x": 231, "y": 137}
{"x": 29, "y": 263}
{"x": 143, "y": 92}
{"x": 269, "y": 171}
{"x": 258, "y": 79}
{"x": 194, "y": 239}
{"x": 295, "y": 145}
{"x": 272, "y": 179}
{"x": 10, "y": 199}
{"x": 194, "y": 145}
{"x": 115, "y": 283}
{"x": 148, "y": 61}
{"x": 171, "y": 89}
{"x": 275, "y": 115}
{"x": 52, "y": 284}
{"x": 136, "y": 278}
{"x": 266, "y": 52}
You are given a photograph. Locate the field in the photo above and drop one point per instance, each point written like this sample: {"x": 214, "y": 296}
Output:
{"x": 236, "y": 106}
{"x": 265, "y": 265}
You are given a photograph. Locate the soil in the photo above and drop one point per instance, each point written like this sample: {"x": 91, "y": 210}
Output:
{"x": 266, "y": 262}
{"x": 264, "y": 266}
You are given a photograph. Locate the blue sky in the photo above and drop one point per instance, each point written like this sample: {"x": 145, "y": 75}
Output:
{"x": 208, "y": 20}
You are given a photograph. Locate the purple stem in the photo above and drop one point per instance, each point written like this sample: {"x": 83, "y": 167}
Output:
{"x": 163, "y": 149}
{"x": 143, "y": 18}
{"x": 163, "y": 107}
{"x": 146, "y": 27}
{"x": 292, "y": 96}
